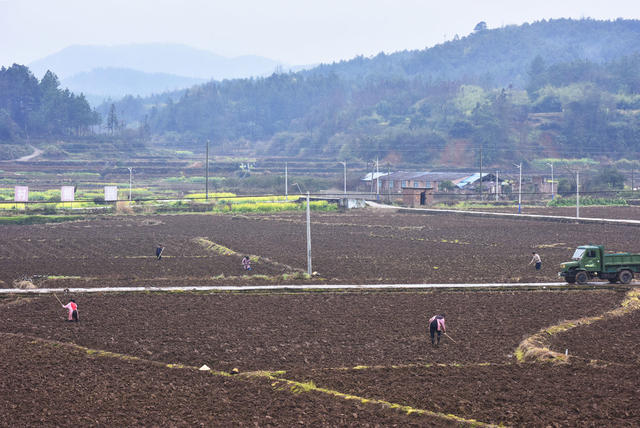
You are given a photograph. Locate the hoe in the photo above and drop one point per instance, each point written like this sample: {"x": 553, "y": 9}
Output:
{"x": 446, "y": 334}
{"x": 58, "y": 300}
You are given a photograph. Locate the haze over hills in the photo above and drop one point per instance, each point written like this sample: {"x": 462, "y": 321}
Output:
{"x": 551, "y": 88}
{"x": 143, "y": 69}
{"x": 103, "y": 83}
{"x": 167, "y": 58}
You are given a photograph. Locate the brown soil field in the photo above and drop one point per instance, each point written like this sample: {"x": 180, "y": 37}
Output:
{"x": 509, "y": 394}
{"x": 616, "y": 338}
{"x": 366, "y": 246}
{"x": 47, "y": 384}
{"x": 310, "y": 358}
{"x": 284, "y": 331}
{"x": 122, "y": 361}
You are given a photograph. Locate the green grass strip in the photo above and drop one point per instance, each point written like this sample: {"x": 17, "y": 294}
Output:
{"x": 212, "y": 246}
{"x": 224, "y": 251}
{"x": 278, "y": 383}
{"x": 535, "y": 348}
{"x": 107, "y": 354}
{"x": 301, "y": 387}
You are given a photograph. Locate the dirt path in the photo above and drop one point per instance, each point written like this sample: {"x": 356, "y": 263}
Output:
{"x": 299, "y": 287}
{"x": 36, "y": 152}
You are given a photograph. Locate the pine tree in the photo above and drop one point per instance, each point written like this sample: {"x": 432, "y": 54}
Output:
{"x": 112, "y": 119}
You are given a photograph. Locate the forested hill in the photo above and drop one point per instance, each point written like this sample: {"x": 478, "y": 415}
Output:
{"x": 557, "y": 88}
{"x": 501, "y": 56}
{"x": 560, "y": 88}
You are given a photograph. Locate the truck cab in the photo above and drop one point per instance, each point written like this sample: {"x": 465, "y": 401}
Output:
{"x": 585, "y": 263}
{"x": 588, "y": 257}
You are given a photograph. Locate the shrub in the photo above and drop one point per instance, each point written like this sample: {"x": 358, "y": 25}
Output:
{"x": 586, "y": 200}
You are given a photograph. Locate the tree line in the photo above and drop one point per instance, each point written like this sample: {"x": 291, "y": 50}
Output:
{"x": 561, "y": 89}
{"x": 590, "y": 114}
{"x": 552, "y": 88}
{"x": 40, "y": 108}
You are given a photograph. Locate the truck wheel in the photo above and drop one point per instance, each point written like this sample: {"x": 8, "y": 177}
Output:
{"x": 625, "y": 276}
{"x": 582, "y": 277}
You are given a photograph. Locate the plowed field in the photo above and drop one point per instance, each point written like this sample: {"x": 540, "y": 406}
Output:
{"x": 312, "y": 358}
{"x": 356, "y": 247}
{"x": 133, "y": 359}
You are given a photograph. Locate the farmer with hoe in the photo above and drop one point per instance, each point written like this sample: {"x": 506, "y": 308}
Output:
{"x": 72, "y": 307}
{"x": 159, "y": 250}
{"x": 536, "y": 259}
{"x": 436, "y": 324}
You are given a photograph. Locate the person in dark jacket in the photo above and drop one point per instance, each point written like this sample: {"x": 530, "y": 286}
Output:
{"x": 159, "y": 251}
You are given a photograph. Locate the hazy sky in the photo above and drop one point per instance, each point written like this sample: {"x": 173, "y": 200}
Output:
{"x": 293, "y": 31}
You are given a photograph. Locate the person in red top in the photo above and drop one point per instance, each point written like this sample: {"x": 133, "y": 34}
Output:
{"x": 436, "y": 324}
{"x": 73, "y": 310}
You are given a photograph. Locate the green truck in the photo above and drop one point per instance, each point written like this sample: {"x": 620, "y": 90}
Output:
{"x": 590, "y": 261}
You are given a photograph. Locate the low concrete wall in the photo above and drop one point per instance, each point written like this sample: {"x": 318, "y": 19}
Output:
{"x": 349, "y": 203}
{"x": 559, "y": 219}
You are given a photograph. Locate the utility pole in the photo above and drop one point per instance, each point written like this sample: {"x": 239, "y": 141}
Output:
{"x": 519, "y": 188}
{"x": 309, "y": 271}
{"x": 551, "y": 165}
{"x": 577, "y": 194}
{"x": 373, "y": 172}
{"x": 286, "y": 185}
{"x": 388, "y": 184}
{"x": 345, "y": 177}
{"x": 206, "y": 177}
{"x": 377, "y": 180}
{"x": 481, "y": 198}
{"x": 632, "y": 183}
{"x": 497, "y": 184}
{"x": 130, "y": 174}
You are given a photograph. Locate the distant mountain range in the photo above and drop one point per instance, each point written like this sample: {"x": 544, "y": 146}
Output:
{"x": 551, "y": 89}
{"x": 143, "y": 69}
{"x": 103, "y": 83}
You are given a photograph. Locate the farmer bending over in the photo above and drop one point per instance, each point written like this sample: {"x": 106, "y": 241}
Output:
{"x": 246, "y": 263}
{"x": 73, "y": 310}
{"x": 436, "y": 324}
{"x": 536, "y": 259}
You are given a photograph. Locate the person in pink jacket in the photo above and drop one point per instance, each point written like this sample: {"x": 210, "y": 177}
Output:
{"x": 436, "y": 324}
{"x": 73, "y": 310}
{"x": 246, "y": 263}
